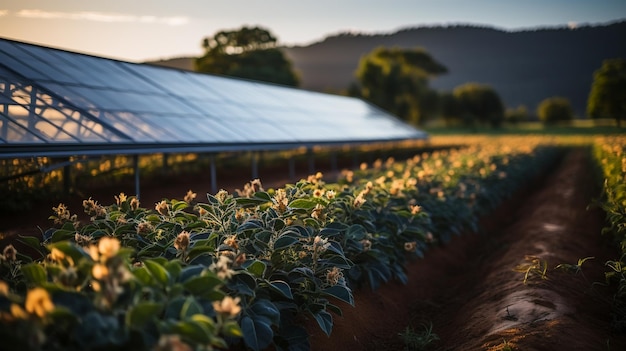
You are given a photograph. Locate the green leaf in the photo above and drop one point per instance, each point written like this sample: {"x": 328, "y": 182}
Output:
{"x": 284, "y": 242}
{"x": 205, "y": 320}
{"x": 257, "y": 333}
{"x": 260, "y": 198}
{"x": 62, "y": 234}
{"x": 199, "y": 250}
{"x": 282, "y": 287}
{"x": 265, "y": 308}
{"x": 325, "y": 321}
{"x": 243, "y": 283}
{"x": 305, "y": 204}
{"x": 34, "y": 273}
{"x": 142, "y": 313}
{"x": 356, "y": 232}
{"x": 231, "y": 329}
{"x": 189, "y": 308}
{"x": 340, "y": 292}
{"x": 143, "y": 275}
{"x": 193, "y": 330}
{"x": 202, "y": 285}
{"x": 173, "y": 268}
{"x": 158, "y": 272}
{"x": 33, "y": 243}
{"x": 257, "y": 268}
{"x": 179, "y": 205}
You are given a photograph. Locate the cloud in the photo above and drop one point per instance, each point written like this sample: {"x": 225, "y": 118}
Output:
{"x": 102, "y": 17}
{"x": 4, "y": 12}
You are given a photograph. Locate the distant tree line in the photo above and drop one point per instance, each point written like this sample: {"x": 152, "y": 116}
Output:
{"x": 397, "y": 80}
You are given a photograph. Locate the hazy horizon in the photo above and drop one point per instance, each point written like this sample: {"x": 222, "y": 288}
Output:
{"x": 157, "y": 29}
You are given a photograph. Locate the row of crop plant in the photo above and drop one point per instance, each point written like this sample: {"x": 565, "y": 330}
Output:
{"x": 610, "y": 155}
{"x": 243, "y": 270}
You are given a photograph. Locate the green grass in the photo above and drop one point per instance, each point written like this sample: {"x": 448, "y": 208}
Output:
{"x": 577, "y": 127}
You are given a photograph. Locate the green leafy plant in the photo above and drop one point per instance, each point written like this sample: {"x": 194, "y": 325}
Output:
{"x": 243, "y": 270}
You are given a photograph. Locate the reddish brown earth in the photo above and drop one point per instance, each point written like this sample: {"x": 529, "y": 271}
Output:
{"x": 468, "y": 288}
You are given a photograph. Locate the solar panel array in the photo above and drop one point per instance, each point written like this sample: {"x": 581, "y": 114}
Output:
{"x": 53, "y": 97}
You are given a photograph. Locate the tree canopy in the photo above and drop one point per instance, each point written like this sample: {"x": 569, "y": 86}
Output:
{"x": 478, "y": 103}
{"x": 249, "y": 53}
{"x": 555, "y": 109}
{"x": 607, "y": 98}
{"x": 396, "y": 80}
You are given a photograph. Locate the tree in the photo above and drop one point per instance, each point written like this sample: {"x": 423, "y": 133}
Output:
{"x": 555, "y": 109}
{"x": 449, "y": 109}
{"x": 396, "y": 80}
{"x": 479, "y": 103}
{"x": 249, "y": 53}
{"x": 516, "y": 115}
{"x": 607, "y": 98}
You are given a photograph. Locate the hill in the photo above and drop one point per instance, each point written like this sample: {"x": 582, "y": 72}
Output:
{"x": 523, "y": 66}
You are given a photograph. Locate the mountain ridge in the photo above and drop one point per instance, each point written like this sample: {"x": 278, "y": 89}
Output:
{"x": 524, "y": 66}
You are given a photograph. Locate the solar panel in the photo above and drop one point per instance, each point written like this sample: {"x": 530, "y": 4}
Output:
{"x": 50, "y": 97}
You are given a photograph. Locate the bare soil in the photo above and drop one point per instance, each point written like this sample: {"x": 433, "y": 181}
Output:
{"x": 467, "y": 289}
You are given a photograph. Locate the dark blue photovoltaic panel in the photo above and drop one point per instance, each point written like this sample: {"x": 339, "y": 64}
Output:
{"x": 55, "y": 96}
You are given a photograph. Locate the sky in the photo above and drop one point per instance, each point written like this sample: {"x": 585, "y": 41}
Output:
{"x": 141, "y": 30}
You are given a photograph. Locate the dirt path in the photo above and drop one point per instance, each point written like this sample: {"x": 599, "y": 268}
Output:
{"x": 475, "y": 300}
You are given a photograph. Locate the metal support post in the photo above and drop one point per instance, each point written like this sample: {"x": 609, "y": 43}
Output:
{"x": 255, "y": 165}
{"x": 292, "y": 168}
{"x": 213, "y": 175}
{"x": 311, "y": 158}
{"x": 136, "y": 169}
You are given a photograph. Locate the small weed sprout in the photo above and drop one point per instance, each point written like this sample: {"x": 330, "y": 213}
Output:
{"x": 534, "y": 267}
{"x": 417, "y": 341}
{"x": 574, "y": 268}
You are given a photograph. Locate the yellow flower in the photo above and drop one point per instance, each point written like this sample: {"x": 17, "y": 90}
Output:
{"x": 82, "y": 240}
{"x": 58, "y": 256}
{"x": 38, "y": 302}
{"x": 280, "y": 201}
{"x": 120, "y": 199}
{"x": 415, "y": 209}
{"x": 108, "y": 246}
{"x": 359, "y": 200}
{"x": 330, "y": 194}
{"x": 10, "y": 253}
{"x": 333, "y": 276}
{"x": 318, "y": 192}
{"x": 4, "y": 288}
{"x": 162, "y": 208}
{"x": 18, "y": 312}
{"x": 144, "y": 227}
{"x": 181, "y": 242}
{"x": 367, "y": 245}
{"x": 410, "y": 246}
{"x": 134, "y": 203}
{"x": 190, "y": 196}
{"x": 232, "y": 242}
{"x": 99, "y": 271}
{"x": 93, "y": 252}
{"x": 228, "y": 306}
